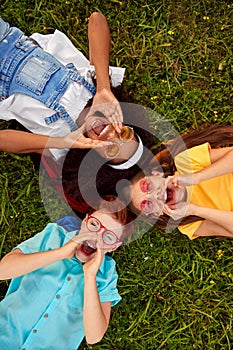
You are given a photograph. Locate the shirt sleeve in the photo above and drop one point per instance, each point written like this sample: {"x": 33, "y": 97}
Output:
{"x": 107, "y": 281}
{"x": 51, "y": 237}
{"x": 190, "y": 229}
{"x": 193, "y": 159}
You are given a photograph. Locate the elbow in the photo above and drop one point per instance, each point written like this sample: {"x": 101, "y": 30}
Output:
{"x": 96, "y": 337}
{"x": 3, "y": 140}
{"x": 93, "y": 340}
{"x": 3, "y": 274}
{"x": 97, "y": 18}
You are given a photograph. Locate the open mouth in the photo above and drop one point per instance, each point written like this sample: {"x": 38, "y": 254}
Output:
{"x": 170, "y": 197}
{"x": 88, "y": 248}
{"x": 99, "y": 128}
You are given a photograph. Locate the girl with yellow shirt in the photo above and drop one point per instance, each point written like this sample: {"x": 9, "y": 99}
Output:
{"x": 196, "y": 194}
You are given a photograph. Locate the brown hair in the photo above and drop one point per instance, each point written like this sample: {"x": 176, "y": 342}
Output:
{"x": 117, "y": 209}
{"x": 218, "y": 135}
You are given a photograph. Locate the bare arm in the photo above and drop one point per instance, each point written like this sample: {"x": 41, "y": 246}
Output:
{"x": 209, "y": 228}
{"x": 216, "y": 222}
{"x": 99, "y": 48}
{"x": 221, "y": 164}
{"x": 16, "y": 263}
{"x": 24, "y": 142}
{"x": 96, "y": 315}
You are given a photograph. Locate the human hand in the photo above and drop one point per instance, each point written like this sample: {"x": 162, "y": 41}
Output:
{"x": 105, "y": 102}
{"x": 92, "y": 266}
{"x": 76, "y": 139}
{"x": 181, "y": 180}
{"x": 69, "y": 249}
{"x": 179, "y": 211}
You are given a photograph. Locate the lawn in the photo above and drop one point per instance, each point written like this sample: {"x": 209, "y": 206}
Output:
{"x": 176, "y": 294}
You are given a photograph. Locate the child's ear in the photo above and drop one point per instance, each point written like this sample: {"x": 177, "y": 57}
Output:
{"x": 83, "y": 222}
{"x": 157, "y": 173}
{"x": 117, "y": 245}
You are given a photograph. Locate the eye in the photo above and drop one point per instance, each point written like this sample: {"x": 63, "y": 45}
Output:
{"x": 112, "y": 150}
{"x": 109, "y": 237}
{"x": 93, "y": 224}
{"x": 147, "y": 206}
{"x": 146, "y": 185}
{"x": 149, "y": 186}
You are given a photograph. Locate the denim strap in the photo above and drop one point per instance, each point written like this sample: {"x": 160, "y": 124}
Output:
{"x": 61, "y": 114}
{"x": 87, "y": 85}
{"x": 76, "y": 77}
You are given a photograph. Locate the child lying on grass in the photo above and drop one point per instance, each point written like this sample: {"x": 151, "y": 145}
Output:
{"x": 63, "y": 284}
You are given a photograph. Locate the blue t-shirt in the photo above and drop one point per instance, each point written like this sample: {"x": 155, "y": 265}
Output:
{"x": 44, "y": 308}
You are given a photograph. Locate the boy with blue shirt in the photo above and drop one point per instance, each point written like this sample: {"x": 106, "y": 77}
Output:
{"x": 63, "y": 284}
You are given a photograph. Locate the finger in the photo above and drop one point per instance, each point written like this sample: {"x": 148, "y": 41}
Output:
{"x": 86, "y": 142}
{"x": 167, "y": 209}
{"x": 84, "y": 236}
{"x": 117, "y": 127}
{"x": 100, "y": 144}
{"x": 97, "y": 144}
{"x": 171, "y": 180}
{"x": 74, "y": 244}
{"x": 99, "y": 253}
{"x": 115, "y": 116}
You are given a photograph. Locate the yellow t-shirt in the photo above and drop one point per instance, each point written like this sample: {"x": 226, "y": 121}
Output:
{"x": 216, "y": 193}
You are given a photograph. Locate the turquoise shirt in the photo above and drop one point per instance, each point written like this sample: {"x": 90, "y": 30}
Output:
{"x": 44, "y": 308}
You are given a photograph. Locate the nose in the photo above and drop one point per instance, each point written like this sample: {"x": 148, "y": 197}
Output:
{"x": 159, "y": 194}
{"x": 112, "y": 135}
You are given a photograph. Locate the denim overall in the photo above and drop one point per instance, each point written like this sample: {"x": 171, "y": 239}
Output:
{"x": 26, "y": 69}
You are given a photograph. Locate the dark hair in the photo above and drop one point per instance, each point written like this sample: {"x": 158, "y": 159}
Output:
{"x": 218, "y": 135}
{"x": 105, "y": 178}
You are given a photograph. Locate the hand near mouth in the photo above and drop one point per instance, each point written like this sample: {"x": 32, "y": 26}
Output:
{"x": 76, "y": 139}
{"x": 69, "y": 249}
{"x": 181, "y": 180}
{"x": 92, "y": 266}
{"x": 179, "y": 211}
{"x": 105, "y": 102}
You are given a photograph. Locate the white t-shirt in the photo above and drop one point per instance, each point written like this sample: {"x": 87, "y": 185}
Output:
{"x": 31, "y": 113}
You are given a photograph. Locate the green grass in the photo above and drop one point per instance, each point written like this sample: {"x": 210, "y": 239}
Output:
{"x": 177, "y": 294}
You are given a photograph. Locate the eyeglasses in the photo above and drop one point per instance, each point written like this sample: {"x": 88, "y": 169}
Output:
{"x": 126, "y": 135}
{"x": 147, "y": 206}
{"x": 146, "y": 185}
{"x": 94, "y": 225}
